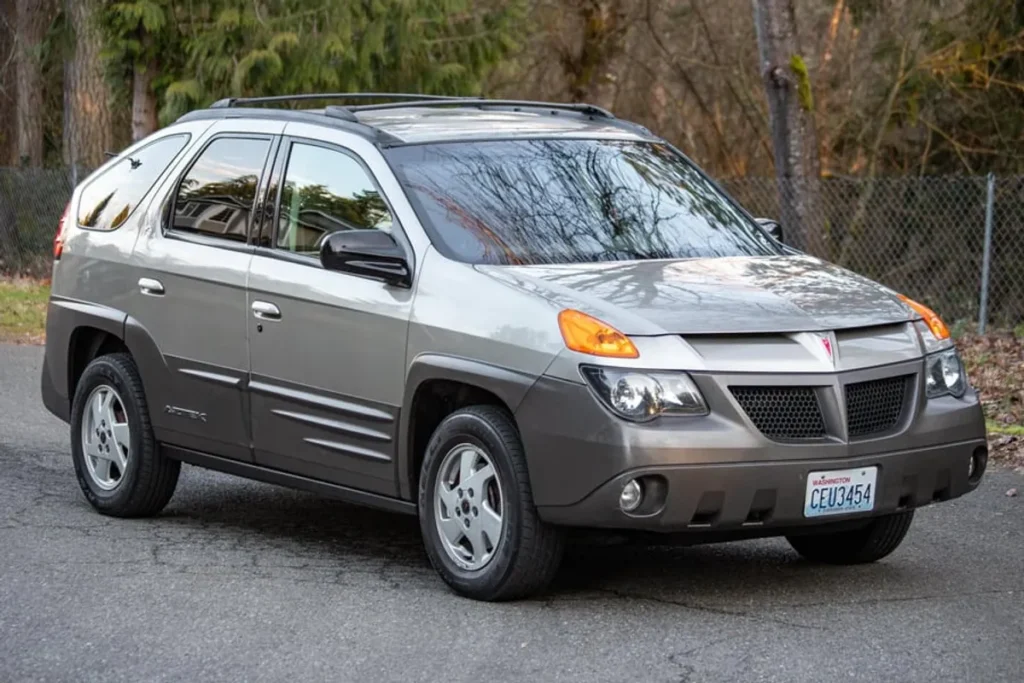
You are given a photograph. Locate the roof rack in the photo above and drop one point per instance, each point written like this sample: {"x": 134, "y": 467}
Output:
{"x": 243, "y": 101}
{"x": 408, "y": 100}
{"x": 346, "y": 113}
{"x": 580, "y": 107}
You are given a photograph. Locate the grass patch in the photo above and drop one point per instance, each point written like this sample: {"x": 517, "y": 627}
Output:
{"x": 1000, "y": 428}
{"x": 23, "y": 310}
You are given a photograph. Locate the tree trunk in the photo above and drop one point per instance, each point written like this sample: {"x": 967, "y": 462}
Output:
{"x": 88, "y": 127}
{"x": 8, "y": 220}
{"x": 32, "y": 20}
{"x": 592, "y": 70}
{"x": 787, "y": 85}
{"x": 144, "y": 120}
{"x": 7, "y": 82}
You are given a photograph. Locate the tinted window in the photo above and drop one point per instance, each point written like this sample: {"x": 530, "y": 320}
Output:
{"x": 566, "y": 201}
{"x": 326, "y": 191}
{"x": 109, "y": 199}
{"x": 216, "y": 196}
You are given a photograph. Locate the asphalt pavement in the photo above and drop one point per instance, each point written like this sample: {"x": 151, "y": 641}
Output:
{"x": 240, "y": 581}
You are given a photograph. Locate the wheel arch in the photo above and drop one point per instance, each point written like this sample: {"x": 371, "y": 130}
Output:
{"x": 437, "y": 385}
{"x": 76, "y": 333}
{"x": 86, "y": 344}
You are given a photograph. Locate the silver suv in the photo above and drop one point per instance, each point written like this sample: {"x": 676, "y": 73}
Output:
{"x": 508, "y": 318}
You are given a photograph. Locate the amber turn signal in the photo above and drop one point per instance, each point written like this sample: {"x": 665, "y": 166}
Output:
{"x": 587, "y": 334}
{"x": 931, "y": 319}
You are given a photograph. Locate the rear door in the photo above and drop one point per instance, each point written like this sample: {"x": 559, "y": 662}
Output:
{"x": 327, "y": 349}
{"x": 190, "y": 299}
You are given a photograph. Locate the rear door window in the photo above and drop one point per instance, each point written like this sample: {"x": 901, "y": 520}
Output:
{"x": 216, "y": 196}
{"x": 108, "y": 200}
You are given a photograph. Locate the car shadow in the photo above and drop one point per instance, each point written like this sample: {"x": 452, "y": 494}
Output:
{"x": 304, "y": 529}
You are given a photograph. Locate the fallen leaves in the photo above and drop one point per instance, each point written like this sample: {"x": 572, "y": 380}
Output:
{"x": 995, "y": 364}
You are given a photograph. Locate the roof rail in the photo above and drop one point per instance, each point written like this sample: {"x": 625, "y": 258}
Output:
{"x": 242, "y": 101}
{"x": 409, "y": 100}
{"x": 579, "y": 107}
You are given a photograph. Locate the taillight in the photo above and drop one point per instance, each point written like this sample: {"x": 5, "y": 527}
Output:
{"x": 58, "y": 241}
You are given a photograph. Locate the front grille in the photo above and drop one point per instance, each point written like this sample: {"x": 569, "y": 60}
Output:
{"x": 782, "y": 412}
{"x": 875, "y": 406}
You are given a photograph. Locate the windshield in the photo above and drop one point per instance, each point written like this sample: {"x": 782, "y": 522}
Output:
{"x": 570, "y": 201}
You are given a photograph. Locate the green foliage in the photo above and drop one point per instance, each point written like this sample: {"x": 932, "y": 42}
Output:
{"x": 242, "y": 48}
{"x": 137, "y": 31}
{"x": 140, "y": 33}
{"x": 803, "y": 82}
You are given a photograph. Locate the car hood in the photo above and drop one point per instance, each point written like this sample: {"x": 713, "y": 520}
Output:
{"x": 714, "y": 295}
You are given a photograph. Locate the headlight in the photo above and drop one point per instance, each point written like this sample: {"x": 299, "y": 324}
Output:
{"x": 641, "y": 396}
{"x": 944, "y": 374}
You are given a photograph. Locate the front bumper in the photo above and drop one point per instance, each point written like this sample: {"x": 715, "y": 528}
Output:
{"x": 720, "y": 473}
{"x": 764, "y": 495}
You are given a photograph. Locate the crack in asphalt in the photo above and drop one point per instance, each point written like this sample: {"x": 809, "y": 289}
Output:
{"x": 902, "y": 598}
{"x": 721, "y": 611}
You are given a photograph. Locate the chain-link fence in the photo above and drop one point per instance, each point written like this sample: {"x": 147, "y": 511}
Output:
{"x": 922, "y": 236}
{"x": 31, "y": 203}
{"x": 925, "y": 237}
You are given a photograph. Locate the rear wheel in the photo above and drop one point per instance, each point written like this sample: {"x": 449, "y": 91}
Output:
{"x": 118, "y": 462}
{"x": 878, "y": 539}
{"x": 479, "y": 524}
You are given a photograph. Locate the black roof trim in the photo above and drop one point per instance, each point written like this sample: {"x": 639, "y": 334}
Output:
{"x": 242, "y": 101}
{"x": 344, "y": 116}
{"x": 579, "y": 107}
{"x": 306, "y": 116}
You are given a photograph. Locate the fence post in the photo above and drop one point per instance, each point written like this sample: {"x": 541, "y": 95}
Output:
{"x": 986, "y": 260}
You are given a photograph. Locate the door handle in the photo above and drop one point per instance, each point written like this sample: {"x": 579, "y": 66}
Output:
{"x": 264, "y": 310}
{"x": 151, "y": 287}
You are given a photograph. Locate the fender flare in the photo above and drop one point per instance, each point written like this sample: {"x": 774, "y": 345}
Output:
{"x": 510, "y": 386}
{"x": 64, "y": 319}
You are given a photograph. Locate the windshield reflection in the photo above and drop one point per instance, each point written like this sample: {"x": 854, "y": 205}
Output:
{"x": 570, "y": 201}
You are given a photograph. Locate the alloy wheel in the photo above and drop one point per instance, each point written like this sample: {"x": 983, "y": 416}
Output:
{"x": 468, "y": 503}
{"x": 106, "y": 437}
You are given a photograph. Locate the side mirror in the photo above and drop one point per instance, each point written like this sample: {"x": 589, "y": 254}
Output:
{"x": 772, "y": 227}
{"x": 366, "y": 253}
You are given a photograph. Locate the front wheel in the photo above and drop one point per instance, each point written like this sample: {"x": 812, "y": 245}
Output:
{"x": 878, "y": 539}
{"x": 479, "y": 524}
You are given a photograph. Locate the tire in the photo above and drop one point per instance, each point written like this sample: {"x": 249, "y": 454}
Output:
{"x": 149, "y": 479}
{"x": 527, "y": 555}
{"x": 877, "y": 540}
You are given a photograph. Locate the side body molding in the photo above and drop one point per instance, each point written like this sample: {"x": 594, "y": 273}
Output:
{"x": 508, "y": 385}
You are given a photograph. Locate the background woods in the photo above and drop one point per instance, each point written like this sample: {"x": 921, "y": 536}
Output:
{"x": 879, "y": 86}
{"x": 866, "y": 126}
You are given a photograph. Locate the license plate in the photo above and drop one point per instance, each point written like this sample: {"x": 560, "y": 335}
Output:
{"x": 840, "y": 491}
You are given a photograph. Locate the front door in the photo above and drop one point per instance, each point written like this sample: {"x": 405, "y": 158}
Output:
{"x": 190, "y": 299}
{"x": 327, "y": 349}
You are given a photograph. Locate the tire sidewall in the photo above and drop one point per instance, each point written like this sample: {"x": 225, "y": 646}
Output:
{"x": 104, "y": 372}
{"x": 468, "y": 428}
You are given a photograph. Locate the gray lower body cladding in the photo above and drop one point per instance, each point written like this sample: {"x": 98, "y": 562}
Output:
{"x": 721, "y": 472}
{"x": 749, "y": 496}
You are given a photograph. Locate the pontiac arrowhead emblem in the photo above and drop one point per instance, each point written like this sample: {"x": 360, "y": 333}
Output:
{"x": 828, "y": 343}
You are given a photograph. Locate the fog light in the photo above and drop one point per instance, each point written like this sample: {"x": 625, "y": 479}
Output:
{"x": 632, "y": 495}
{"x": 979, "y": 460}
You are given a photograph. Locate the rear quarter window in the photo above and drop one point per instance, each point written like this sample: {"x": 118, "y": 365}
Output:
{"x": 109, "y": 199}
